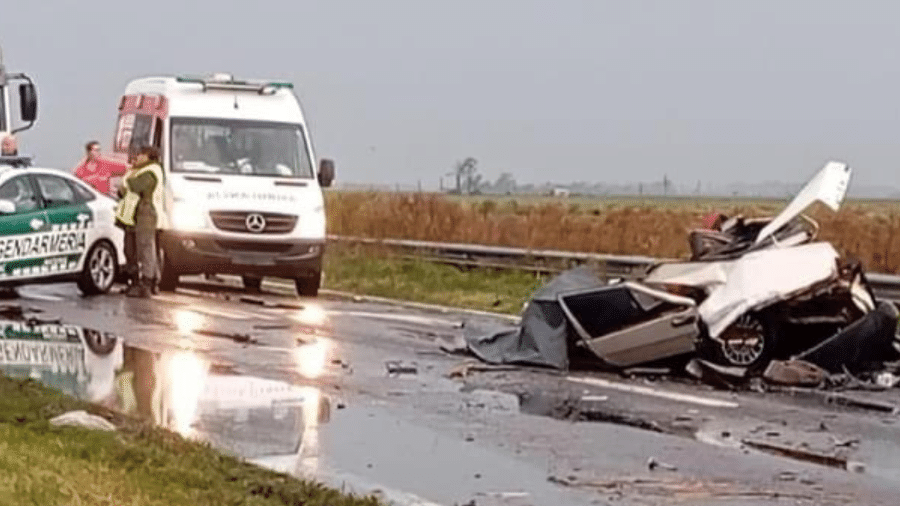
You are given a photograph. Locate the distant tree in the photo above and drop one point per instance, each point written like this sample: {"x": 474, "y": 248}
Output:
{"x": 467, "y": 178}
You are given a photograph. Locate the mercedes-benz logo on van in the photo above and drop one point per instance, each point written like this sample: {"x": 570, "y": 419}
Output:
{"x": 255, "y": 222}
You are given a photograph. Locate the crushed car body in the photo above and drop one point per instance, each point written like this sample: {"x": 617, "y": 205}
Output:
{"x": 754, "y": 290}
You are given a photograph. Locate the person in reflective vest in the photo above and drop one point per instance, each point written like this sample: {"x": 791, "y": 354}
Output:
{"x": 139, "y": 212}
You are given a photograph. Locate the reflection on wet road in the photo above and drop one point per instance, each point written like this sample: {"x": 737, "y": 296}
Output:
{"x": 178, "y": 388}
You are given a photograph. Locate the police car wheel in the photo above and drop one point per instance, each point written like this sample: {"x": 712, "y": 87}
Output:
{"x": 99, "y": 271}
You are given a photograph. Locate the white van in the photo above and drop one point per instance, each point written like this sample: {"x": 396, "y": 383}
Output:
{"x": 243, "y": 194}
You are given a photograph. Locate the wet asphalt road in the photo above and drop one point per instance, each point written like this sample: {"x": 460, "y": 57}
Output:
{"x": 383, "y": 409}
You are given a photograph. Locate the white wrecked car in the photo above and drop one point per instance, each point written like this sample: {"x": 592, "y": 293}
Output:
{"x": 753, "y": 289}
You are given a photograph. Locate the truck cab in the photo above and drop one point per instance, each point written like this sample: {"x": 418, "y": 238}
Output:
{"x": 243, "y": 194}
{"x": 27, "y": 108}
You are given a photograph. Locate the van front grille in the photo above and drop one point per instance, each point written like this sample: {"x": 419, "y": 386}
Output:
{"x": 236, "y": 221}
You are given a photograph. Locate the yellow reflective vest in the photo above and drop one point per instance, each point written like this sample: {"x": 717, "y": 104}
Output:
{"x": 127, "y": 205}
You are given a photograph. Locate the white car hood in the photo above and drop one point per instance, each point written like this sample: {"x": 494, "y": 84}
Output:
{"x": 828, "y": 186}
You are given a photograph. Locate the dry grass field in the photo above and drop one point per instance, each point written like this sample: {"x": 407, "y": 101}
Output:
{"x": 868, "y": 230}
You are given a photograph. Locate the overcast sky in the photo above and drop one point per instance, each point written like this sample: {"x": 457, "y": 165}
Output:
{"x": 561, "y": 90}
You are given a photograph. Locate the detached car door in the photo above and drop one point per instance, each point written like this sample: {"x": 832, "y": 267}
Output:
{"x": 628, "y": 323}
{"x": 24, "y": 230}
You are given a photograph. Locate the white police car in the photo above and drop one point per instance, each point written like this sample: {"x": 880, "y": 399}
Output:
{"x": 55, "y": 228}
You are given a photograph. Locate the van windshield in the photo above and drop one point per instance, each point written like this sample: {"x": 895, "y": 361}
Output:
{"x": 252, "y": 148}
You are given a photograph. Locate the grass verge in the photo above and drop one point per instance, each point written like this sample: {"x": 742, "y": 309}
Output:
{"x": 137, "y": 465}
{"x": 370, "y": 271}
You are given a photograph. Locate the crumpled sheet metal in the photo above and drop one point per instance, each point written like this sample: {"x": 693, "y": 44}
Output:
{"x": 863, "y": 345}
{"x": 752, "y": 281}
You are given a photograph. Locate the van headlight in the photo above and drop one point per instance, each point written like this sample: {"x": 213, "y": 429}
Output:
{"x": 312, "y": 223}
{"x": 187, "y": 216}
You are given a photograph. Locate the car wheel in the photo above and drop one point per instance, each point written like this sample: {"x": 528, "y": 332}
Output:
{"x": 168, "y": 278}
{"x": 101, "y": 343}
{"x": 99, "y": 271}
{"x": 308, "y": 286}
{"x": 252, "y": 283}
{"x": 749, "y": 342}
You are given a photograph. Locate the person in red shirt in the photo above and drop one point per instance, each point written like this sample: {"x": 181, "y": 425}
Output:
{"x": 96, "y": 171}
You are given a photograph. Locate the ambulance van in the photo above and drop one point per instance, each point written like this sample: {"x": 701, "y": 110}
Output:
{"x": 243, "y": 194}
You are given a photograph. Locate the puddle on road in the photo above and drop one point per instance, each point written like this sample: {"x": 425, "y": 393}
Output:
{"x": 285, "y": 427}
{"x": 177, "y": 389}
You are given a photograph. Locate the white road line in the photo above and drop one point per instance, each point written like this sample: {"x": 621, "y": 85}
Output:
{"x": 423, "y": 320}
{"x": 637, "y": 389}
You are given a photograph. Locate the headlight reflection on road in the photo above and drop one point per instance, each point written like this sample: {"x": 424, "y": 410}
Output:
{"x": 312, "y": 314}
{"x": 188, "y": 321}
{"x": 312, "y": 358}
{"x": 185, "y": 376}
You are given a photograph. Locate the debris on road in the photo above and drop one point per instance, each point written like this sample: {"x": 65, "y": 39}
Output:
{"x": 266, "y": 303}
{"x": 236, "y": 337}
{"x": 856, "y": 402}
{"x": 797, "y": 453}
{"x": 397, "y": 367}
{"x": 653, "y": 464}
{"x": 464, "y": 369}
{"x": 677, "y": 488}
{"x": 794, "y": 372}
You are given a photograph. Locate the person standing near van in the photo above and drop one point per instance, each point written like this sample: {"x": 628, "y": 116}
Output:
{"x": 139, "y": 212}
{"x": 9, "y": 146}
{"x": 96, "y": 171}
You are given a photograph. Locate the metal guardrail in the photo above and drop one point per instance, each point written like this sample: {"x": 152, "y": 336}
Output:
{"x": 885, "y": 286}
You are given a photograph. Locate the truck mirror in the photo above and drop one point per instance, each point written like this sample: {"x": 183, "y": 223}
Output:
{"x": 326, "y": 172}
{"x": 28, "y": 102}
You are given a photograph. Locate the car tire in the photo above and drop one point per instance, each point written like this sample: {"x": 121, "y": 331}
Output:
{"x": 168, "y": 278}
{"x": 252, "y": 284}
{"x": 99, "y": 271}
{"x": 308, "y": 286}
{"x": 750, "y": 342}
{"x": 100, "y": 343}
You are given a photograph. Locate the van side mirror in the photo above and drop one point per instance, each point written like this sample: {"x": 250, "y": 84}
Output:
{"x": 28, "y": 102}
{"x": 7, "y": 207}
{"x": 326, "y": 172}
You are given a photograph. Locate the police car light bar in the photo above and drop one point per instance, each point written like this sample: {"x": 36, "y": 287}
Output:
{"x": 16, "y": 160}
{"x": 227, "y": 83}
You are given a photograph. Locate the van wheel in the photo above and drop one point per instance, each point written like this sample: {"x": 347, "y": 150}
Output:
{"x": 99, "y": 271}
{"x": 168, "y": 278}
{"x": 309, "y": 286}
{"x": 252, "y": 283}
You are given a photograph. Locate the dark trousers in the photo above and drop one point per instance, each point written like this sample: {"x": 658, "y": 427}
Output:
{"x": 140, "y": 254}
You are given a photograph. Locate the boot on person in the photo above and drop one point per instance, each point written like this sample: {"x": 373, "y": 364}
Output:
{"x": 139, "y": 289}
